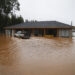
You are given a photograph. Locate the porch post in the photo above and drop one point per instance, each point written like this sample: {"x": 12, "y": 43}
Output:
{"x": 70, "y": 33}
{"x": 32, "y": 32}
{"x": 57, "y": 33}
{"x": 44, "y": 32}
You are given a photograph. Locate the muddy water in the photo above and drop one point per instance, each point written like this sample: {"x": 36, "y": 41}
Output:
{"x": 37, "y": 56}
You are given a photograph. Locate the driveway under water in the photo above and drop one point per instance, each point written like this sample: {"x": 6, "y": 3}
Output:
{"x": 37, "y": 56}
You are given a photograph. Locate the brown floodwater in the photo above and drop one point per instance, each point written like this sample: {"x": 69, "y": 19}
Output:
{"x": 37, "y": 56}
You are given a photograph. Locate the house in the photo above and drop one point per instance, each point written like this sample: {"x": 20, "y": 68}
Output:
{"x": 42, "y": 28}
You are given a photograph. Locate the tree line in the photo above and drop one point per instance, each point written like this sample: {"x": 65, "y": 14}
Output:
{"x": 7, "y": 15}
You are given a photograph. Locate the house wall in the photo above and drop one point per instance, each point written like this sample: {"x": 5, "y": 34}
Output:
{"x": 8, "y": 32}
{"x": 13, "y": 32}
{"x": 65, "y": 33}
{"x": 59, "y": 33}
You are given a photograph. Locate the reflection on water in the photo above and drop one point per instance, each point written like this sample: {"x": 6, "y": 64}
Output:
{"x": 37, "y": 56}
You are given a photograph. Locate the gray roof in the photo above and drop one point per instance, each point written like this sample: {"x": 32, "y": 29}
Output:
{"x": 40, "y": 24}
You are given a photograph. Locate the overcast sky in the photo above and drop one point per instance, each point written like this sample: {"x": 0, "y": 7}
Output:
{"x": 59, "y": 10}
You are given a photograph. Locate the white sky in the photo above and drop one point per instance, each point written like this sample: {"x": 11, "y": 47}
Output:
{"x": 59, "y": 10}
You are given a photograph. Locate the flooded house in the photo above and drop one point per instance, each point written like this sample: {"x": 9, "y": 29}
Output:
{"x": 42, "y": 28}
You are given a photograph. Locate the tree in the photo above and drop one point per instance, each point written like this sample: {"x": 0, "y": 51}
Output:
{"x": 20, "y": 19}
{"x": 7, "y": 16}
{"x": 16, "y": 20}
{"x": 26, "y": 20}
{"x": 8, "y": 6}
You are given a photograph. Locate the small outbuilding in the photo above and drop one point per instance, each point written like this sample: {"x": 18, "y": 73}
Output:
{"x": 42, "y": 28}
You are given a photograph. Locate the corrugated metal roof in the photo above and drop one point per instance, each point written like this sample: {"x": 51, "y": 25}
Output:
{"x": 40, "y": 24}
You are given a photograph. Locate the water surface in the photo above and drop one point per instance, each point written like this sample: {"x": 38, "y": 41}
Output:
{"x": 37, "y": 56}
